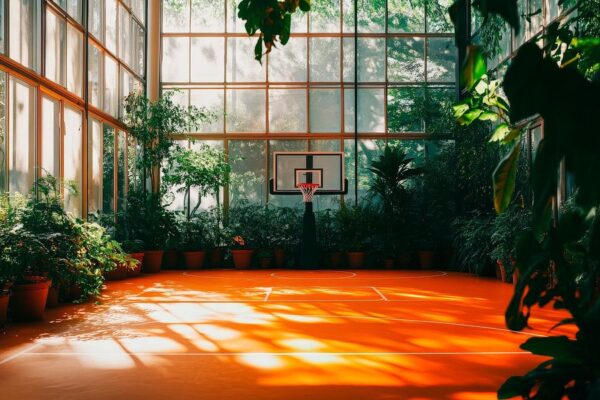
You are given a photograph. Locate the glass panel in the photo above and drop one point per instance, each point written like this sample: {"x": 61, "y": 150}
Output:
{"x": 125, "y": 35}
{"x": 406, "y": 59}
{"x": 95, "y": 18}
{"x": 94, "y": 76}
{"x": 176, "y": 59}
{"x": 55, "y": 47}
{"x": 208, "y": 59}
{"x": 140, "y": 52}
{"x": 371, "y": 16}
{"x": 234, "y": 24}
{"x": 108, "y": 169}
{"x": 441, "y": 59}
{"x": 139, "y": 9}
{"x": 405, "y": 109}
{"x": 288, "y": 63}
{"x": 438, "y": 101}
{"x": 287, "y": 110}
{"x": 285, "y": 145}
{"x": 111, "y": 82}
{"x": 72, "y": 158}
{"x": 211, "y": 199}
{"x": 371, "y": 60}
{"x": 246, "y": 110}
{"x": 1, "y": 34}
{"x": 325, "y": 16}
{"x": 241, "y": 65}
{"x": 349, "y": 69}
{"x": 50, "y": 146}
{"x": 438, "y": 18}
{"x": 248, "y": 178}
{"x": 75, "y": 8}
{"x": 3, "y": 175}
{"x": 176, "y": 16}
{"x": 111, "y": 25}
{"x": 406, "y": 16}
{"x": 121, "y": 170}
{"x": 95, "y": 154}
{"x": 21, "y": 131}
{"x": 23, "y": 17}
{"x": 325, "y": 59}
{"x": 213, "y": 100}
{"x": 74, "y": 60}
{"x": 208, "y": 16}
{"x": 371, "y": 114}
{"x": 325, "y": 105}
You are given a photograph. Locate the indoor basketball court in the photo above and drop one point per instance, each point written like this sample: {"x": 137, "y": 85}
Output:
{"x": 274, "y": 334}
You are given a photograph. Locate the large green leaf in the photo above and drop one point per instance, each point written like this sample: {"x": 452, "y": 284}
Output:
{"x": 474, "y": 67}
{"x": 505, "y": 177}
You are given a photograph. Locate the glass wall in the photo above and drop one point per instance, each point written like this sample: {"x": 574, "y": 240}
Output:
{"x": 43, "y": 126}
{"x": 380, "y": 76}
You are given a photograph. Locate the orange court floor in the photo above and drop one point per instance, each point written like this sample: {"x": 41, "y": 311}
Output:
{"x": 274, "y": 334}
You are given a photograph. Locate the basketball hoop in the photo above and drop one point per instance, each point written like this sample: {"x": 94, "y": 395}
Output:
{"x": 308, "y": 190}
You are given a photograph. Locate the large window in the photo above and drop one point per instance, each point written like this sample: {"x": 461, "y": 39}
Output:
{"x": 21, "y": 135}
{"x": 383, "y": 78}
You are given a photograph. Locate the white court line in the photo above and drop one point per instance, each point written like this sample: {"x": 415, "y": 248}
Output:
{"x": 379, "y": 293}
{"x": 289, "y": 354}
{"x": 351, "y": 275}
{"x": 268, "y": 293}
{"x": 20, "y": 353}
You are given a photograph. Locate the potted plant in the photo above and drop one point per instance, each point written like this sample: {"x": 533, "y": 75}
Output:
{"x": 355, "y": 224}
{"x": 284, "y": 231}
{"x": 242, "y": 255}
{"x": 328, "y": 235}
{"x": 392, "y": 171}
{"x": 265, "y": 257}
{"x": 506, "y": 229}
{"x": 193, "y": 242}
{"x": 135, "y": 251}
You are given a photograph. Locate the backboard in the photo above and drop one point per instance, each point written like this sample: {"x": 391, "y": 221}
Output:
{"x": 323, "y": 168}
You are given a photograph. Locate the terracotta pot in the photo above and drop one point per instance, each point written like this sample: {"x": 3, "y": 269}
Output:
{"x": 265, "y": 262}
{"x": 216, "y": 257}
{"x": 279, "y": 255}
{"x": 75, "y": 293}
{"x": 426, "y": 258}
{"x": 356, "y": 259}
{"x": 170, "y": 259}
{"x": 53, "y": 296}
{"x": 335, "y": 259}
{"x": 500, "y": 270}
{"x": 28, "y": 300}
{"x": 117, "y": 274}
{"x": 152, "y": 261}
{"x": 193, "y": 259}
{"x": 388, "y": 263}
{"x": 137, "y": 269}
{"x": 4, "y": 296}
{"x": 404, "y": 260}
{"x": 242, "y": 258}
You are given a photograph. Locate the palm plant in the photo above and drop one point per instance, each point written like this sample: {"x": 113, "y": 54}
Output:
{"x": 392, "y": 171}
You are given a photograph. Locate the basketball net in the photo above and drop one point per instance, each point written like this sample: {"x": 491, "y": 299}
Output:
{"x": 308, "y": 190}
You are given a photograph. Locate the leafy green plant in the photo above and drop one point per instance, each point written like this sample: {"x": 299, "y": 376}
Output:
{"x": 507, "y": 227}
{"x": 328, "y": 232}
{"x": 356, "y": 226}
{"x": 272, "y": 19}
{"x": 155, "y": 126}
{"x": 203, "y": 168}
{"x": 472, "y": 243}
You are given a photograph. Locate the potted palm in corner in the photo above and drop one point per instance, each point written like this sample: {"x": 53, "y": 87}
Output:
{"x": 392, "y": 172}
